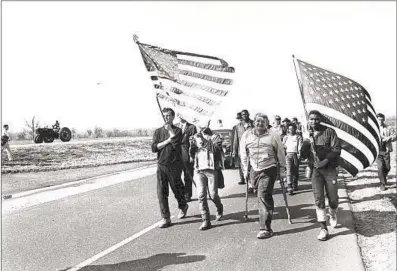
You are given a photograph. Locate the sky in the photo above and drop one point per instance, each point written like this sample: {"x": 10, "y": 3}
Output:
{"x": 76, "y": 62}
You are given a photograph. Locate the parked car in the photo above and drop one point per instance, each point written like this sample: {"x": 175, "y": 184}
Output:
{"x": 226, "y": 135}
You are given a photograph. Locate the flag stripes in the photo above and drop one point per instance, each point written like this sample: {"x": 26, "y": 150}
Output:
{"x": 347, "y": 109}
{"x": 193, "y": 85}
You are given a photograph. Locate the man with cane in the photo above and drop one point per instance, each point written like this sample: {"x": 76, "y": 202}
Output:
{"x": 262, "y": 150}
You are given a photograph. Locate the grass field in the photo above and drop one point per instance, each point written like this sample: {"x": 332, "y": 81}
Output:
{"x": 77, "y": 154}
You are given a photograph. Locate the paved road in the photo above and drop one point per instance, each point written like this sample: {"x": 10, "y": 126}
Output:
{"x": 113, "y": 228}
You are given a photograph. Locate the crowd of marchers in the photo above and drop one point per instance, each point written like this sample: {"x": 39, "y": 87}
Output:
{"x": 263, "y": 153}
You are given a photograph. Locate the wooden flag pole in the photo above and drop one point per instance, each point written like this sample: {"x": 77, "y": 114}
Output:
{"x": 312, "y": 142}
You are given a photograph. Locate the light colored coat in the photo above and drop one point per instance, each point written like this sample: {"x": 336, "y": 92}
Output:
{"x": 261, "y": 152}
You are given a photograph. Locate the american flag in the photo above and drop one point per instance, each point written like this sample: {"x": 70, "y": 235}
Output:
{"x": 193, "y": 85}
{"x": 348, "y": 109}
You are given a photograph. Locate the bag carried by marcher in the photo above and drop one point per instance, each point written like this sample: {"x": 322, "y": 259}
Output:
{"x": 219, "y": 178}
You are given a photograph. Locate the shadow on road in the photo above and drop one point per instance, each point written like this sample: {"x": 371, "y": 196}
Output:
{"x": 152, "y": 263}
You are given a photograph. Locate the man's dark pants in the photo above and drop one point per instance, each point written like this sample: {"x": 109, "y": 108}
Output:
{"x": 264, "y": 181}
{"x": 237, "y": 163}
{"x": 187, "y": 171}
{"x": 325, "y": 179}
{"x": 170, "y": 174}
{"x": 187, "y": 177}
{"x": 383, "y": 163}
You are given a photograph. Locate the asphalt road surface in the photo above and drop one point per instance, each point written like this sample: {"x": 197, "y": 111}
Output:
{"x": 111, "y": 225}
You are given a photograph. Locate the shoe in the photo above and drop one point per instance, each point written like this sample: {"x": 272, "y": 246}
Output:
{"x": 205, "y": 226}
{"x": 291, "y": 192}
{"x": 263, "y": 234}
{"x": 323, "y": 235}
{"x": 182, "y": 212}
{"x": 383, "y": 187}
{"x": 241, "y": 182}
{"x": 219, "y": 214}
{"x": 333, "y": 221}
{"x": 165, "y": 223}
{"x": 295, "y": 187}
{"x": 250, "y": 190}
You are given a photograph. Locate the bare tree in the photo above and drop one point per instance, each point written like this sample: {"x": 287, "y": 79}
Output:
{"x": 32, "y": 126}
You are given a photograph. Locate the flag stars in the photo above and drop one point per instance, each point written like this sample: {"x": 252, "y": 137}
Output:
{"x": 338, "y": 76}
{"x": 364, "y": 120}
{"x": 330, "y": 85}
{"x": 348, "y": 105}
{"x": 335, "y": 84}
{"x": 354, "y": 113}
{"x": 340, "y": 84}
{"x": 324, "y": 86}
{"x": 343, "y": 98}
{"x": 331, "y": 93}
{"x": 326, "y": 72}
{"x": 311, "y": 83}
{"x": 330, "y": 102}
{"x": 342, "y": 106}
{"x": 336, "y": 99}
{"x": 354, "y": 104}
{"x": 318, "y": 97}
{"x": 311, "y": 75}
{"x": 350, "y": 82}
{"x": 325, "y": 94}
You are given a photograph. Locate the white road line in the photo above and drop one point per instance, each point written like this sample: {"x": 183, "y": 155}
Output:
{"x": 114, "y": 247}
{"x": 10, "y": 205}
{"x": 54, "y": 187}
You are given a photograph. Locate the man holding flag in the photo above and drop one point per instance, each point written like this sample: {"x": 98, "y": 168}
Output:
{"x": 345, "y": 131}
{"x": 323, "y": 153}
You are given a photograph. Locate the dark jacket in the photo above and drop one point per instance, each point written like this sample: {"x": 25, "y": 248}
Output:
{"x": 171, "y": 153}
{"x": 190, "y": 130}
{"x": 327, "y": 146}
{"x": 237, "y": 133}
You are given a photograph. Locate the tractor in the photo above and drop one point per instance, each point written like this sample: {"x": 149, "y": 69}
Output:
{"x": 48, "y": 135}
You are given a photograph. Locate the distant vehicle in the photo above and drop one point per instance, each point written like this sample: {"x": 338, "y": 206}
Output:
{"x": 226, "y": 135}
{"x": 48, "y": 135}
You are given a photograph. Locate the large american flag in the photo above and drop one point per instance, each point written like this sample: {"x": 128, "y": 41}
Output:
{"x": 193, "y": 85}
{"x": 348, "y": 109}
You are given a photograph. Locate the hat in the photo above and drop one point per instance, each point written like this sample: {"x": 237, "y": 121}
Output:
{"x": 295, "y": 118}
{"x": 277, "y": 117}
{"x": 380, "y": 115}
{"x": 238, "y": 116}
{"x": 286, "y": 120}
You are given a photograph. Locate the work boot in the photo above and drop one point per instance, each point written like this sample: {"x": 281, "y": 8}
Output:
{"x": 182, "y": 212}
{"x": 165, "y": 223}
{"x": 333, "y": 221}
{"x": 263, "y": 234}
{"x": 323, "y": 235}
{"x": 205, "y": 225}
{"x": 219, "y": 213}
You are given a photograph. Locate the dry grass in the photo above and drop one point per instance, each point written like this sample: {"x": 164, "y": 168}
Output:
{"x": 56, "y": 156}
{"x": 374, "y": 213}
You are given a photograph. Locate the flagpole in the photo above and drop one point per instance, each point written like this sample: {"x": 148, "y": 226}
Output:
{"x": 300, "y": 87}
{"x": 312, "y": 143}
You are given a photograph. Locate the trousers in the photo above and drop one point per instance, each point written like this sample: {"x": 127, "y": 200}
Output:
{"x": 169, "y": 176}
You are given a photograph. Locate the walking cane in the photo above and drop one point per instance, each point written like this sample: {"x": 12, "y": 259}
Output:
{"x": 246, "y": 195}
{"x": 284, "y": 194}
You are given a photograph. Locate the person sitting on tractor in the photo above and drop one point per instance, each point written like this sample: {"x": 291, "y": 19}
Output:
{"x": 56, "y": 126}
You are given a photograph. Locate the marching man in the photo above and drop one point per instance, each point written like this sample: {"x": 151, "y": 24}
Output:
{"x": 262, "y": 149}
{"x": 324, "y": 159}
{"x": 206, "y": 155}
